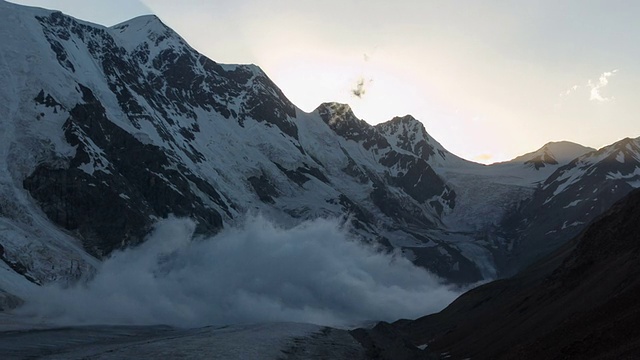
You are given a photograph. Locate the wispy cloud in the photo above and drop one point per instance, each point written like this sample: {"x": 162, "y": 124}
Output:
{"x": 594, "y": 87}
{"x": 602, "y": 82}
{"x": 569, "y": 90}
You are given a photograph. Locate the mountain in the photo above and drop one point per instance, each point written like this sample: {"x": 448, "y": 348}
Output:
{"x": 530, "y": 169}
{"x": 488, "y": 196}
{"x": 578, "y": 303}
{"x": 104, "y": 131}
{"x": 571, "y": 197}
{"x": 410, "y": 135}
{"x": 552, "y": 153}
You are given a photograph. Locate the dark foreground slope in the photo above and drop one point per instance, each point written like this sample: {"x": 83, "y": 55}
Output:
{"x": 579, "y": 303}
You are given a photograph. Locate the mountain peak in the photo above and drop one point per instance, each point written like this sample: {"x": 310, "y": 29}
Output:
{"x": 553, "y": 153}
{"x": 622, "y": 150}
{"x": 562, "y": 147}
{"x": 335, "y": 106}
{"x": 404, "y": 119}
{"x": 141, "y": 21}
{"x": 407, "y": 123}
{"x": 625, "y": 142}
{"x": 334, "y": 112}
{"x": 145, "y": 29}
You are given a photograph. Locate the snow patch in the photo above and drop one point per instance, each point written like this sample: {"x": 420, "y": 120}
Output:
{"x": 573, "y": 203}
{"x": 575, "y": 223}
{"x": 634, "y": 183}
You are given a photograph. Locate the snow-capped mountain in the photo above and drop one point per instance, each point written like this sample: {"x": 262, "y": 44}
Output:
{"x": 104, "y": 131}
{"x": 530, "y": 169}
{"x": 107, "y": 130}
{"x": 410, "y": 135}
{"x": 487, "y": 195}
{"x": 571, "y": 197}
{"x": 553, "y": 153}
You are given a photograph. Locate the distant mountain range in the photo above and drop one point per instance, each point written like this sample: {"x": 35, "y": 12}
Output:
{"x": 103, "y": 131}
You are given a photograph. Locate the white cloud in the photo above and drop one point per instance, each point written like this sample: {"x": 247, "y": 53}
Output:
{"x": 594, "y": 88}
{"x": 569, "y": 90}
{"x": 311, "y": 273}
{"x": 602, "y": 82}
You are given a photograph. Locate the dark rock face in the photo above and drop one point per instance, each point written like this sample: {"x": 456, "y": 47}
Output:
{"x": 263, "y": 187}
{"x": 418, "y": 179}
{"x": 580, "y": 302}
{"x": 411, "y": 173}
{"x": 115, "y": 185}
{"x": 344, "y": 123}
{"x": 301, "y": 174}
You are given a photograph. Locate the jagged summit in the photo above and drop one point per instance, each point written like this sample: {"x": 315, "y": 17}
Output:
{"x": 409, "y": 134}
{"x": 407, "y": 125}
{"x": 335, "y": 111}
{"x": 407, "y": 119}
{"x": 341, "y": 119}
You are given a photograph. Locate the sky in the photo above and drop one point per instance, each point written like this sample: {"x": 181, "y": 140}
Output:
{"x": 490, "y": 79}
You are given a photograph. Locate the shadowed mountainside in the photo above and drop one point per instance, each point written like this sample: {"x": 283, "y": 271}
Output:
{"x": 578, "y": 303}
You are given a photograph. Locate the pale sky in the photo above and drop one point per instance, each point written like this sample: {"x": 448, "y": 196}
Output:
{"x": 490, "y": 79}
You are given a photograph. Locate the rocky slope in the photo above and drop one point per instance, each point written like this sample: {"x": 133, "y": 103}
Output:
{"x": 578, "y": 303}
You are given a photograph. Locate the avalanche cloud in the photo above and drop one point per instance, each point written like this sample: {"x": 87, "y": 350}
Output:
{"x": 257, "y": 272}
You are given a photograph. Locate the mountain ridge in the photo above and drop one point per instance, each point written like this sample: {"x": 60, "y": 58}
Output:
{"x": 105, "y": 133}
{"x": 91, "y": 102}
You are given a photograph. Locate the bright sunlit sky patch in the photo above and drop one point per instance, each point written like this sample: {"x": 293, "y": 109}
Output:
{"x": 489, "y": 79}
